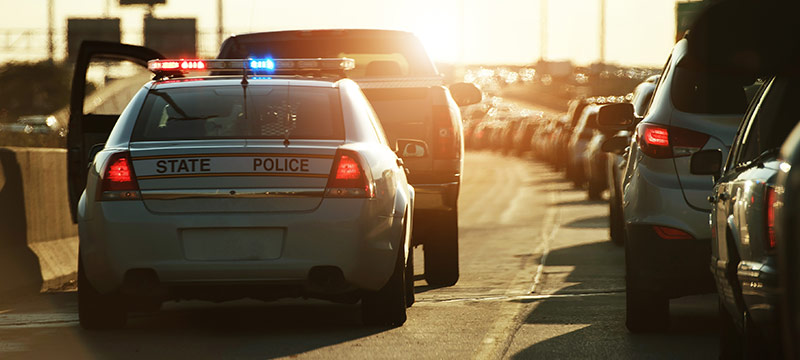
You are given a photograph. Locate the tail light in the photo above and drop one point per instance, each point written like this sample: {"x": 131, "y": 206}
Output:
{"x": 770, "y": 207}
{"x": 447, "y": 143}
{"x": 669, "y": 233}
{"x": 348, "y": 178}
{"x": 119, "y": 180}
{"x": 662, "y": 142}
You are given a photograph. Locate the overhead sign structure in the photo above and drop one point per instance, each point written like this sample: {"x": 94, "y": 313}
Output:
{"x": 80, "y": 30}
{"x": 142, "y": 2}
{"x": 175, "y": 38}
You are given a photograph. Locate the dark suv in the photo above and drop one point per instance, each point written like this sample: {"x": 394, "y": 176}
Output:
{"x": 407, "y": 93}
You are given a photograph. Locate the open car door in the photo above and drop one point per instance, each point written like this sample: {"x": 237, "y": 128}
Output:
{"x": 107, "y": 75}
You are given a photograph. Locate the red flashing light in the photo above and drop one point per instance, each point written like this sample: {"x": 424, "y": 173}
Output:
{"x": 770, "y": 196}
{"x": 669, "y": 233}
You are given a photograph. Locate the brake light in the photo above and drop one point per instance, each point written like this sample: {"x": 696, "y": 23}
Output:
{"x": 662, "y": 142}
{"x": 770, "y": 207}
{"x": 119, "y": 179}
{"x": 669, "y": 233}
{"x": 348, "y": 178}
{"x": 447, "y": 143}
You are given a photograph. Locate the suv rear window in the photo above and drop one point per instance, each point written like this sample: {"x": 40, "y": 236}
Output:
{"x": 381, "y": 56}
{"x": 219, "y": 112}
{"x": 705, "y": 92}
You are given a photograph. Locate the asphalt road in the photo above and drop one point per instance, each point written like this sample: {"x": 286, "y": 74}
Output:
{"x": 539, "y": 279}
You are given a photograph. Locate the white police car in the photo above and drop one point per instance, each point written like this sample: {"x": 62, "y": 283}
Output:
{"x": 258, "y": 184}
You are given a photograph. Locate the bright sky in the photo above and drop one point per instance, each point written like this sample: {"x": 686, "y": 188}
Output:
{"x": 638, "y": 32}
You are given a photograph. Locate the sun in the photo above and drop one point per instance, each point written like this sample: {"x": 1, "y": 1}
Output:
{"x": 440, "y": 31}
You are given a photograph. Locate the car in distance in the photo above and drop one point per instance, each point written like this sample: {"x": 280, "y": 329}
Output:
{"x": 405, "y": 89}
{"x": 257, "y": 184}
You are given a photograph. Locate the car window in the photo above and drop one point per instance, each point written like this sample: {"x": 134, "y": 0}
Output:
{"x": 700, "y": 91}
{"x": 659, "y": 85}
{"x": 775, "y": 117}
{"x": 220, "y": 113}
{"x": 742, "y": 132}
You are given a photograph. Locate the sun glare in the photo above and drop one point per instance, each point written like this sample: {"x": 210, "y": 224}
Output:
{"x": 440, "y": 32}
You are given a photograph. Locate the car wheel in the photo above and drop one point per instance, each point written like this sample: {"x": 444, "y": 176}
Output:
{"x": 441, "y": 251}
{"x": 410, "y": 296}
{"x": 387, "y": 306}
{"x": 96, "y": 310}
{"x": 730, "y": 340}
{"x": 645, "y": 311}
{"x": 616, "y": 226}
{"x": 594, "y": 191}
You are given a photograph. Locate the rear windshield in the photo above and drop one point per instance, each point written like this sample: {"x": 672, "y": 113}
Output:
{"x": 220, "y": 112}
{"x": 375, "y": 57}
{"x": 705, "y": 92}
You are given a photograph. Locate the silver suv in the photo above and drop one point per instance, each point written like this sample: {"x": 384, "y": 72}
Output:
{"x": 665, "y": 207}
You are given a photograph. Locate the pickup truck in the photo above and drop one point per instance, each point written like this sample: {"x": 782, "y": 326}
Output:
{"x": 408, "y": 95}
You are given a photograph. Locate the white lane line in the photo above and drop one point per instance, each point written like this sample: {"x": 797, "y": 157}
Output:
{"x": 547, "y": 238}
{"x": 509, "y": 318}
{"x": 599, "y": 292}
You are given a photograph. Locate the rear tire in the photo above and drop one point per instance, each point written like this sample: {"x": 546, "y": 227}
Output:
{"x": 730, "y": 339}
{"x": 645, "y": 311}
{"x": 98, "y": 311}
{"x": 410, "y": 296}
{"x": 387, "y": 306}
{"x": 441, "y": 251}
{"x": 616, "y": 225}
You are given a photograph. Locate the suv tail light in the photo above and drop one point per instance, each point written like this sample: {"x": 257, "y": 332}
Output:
{"x": 348, "y": 178}
{"x": 662, "y": 142}
{"x": 447, "y": 138}
{"x": 119, "y": 180}
{"x": 770, "y": 207}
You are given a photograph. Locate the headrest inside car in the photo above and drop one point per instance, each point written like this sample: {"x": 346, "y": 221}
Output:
{"x": 384, "y": 68}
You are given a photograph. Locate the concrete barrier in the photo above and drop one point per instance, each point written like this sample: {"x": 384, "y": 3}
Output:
{"x": 38, "y": 241}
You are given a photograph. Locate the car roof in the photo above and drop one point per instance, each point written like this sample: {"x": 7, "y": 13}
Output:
{"x": 293, "y": 34}
{"x": 253, "y": 80}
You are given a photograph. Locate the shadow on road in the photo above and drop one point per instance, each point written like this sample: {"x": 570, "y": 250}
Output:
{"x": 19, "y": 266}
{"x": 249, "y": 330}
{"x": 591, "y": 313}
{"x": 595, "y": 222}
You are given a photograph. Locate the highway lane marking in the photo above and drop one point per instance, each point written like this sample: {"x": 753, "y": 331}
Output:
{"x": 528, "y": 298}
{"x": 501, "y": 334}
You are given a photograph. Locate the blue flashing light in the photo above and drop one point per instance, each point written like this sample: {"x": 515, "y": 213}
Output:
{"x": 266, "y": 64}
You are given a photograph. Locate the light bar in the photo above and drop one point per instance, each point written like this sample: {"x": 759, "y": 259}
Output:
{"x": 256, "y": 65}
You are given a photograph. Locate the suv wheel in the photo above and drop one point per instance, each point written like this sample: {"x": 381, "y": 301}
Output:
{"x": 387, "y": 306}
{"x": 441, "y": 250}
{"x": 96, "y": 310}
{"x": 616, "y": 226}
{"x": 645, "y": 311}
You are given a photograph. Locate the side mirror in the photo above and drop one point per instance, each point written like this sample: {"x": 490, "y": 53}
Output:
{"x": 410, "y": 148}
{"x": 466, "y": 93}
{"x": 615, "y": 144}
{"x": 615, "y": 117}
{"x": 706, "y": 162}
{"x": 96, "y": 148}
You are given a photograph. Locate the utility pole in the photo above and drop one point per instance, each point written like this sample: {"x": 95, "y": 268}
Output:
{"x": 220, "y": 31}
{"x": 543, "y": 30}
{"x": 51, "y": 50}
{"x": 602, "y": 31}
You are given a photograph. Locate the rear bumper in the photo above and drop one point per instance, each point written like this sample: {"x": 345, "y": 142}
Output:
{"x": 669, "y": 267}
{"x": 342, "y": 233}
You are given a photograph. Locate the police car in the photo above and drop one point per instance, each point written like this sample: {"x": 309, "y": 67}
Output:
{"x": 269, "y": 178}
